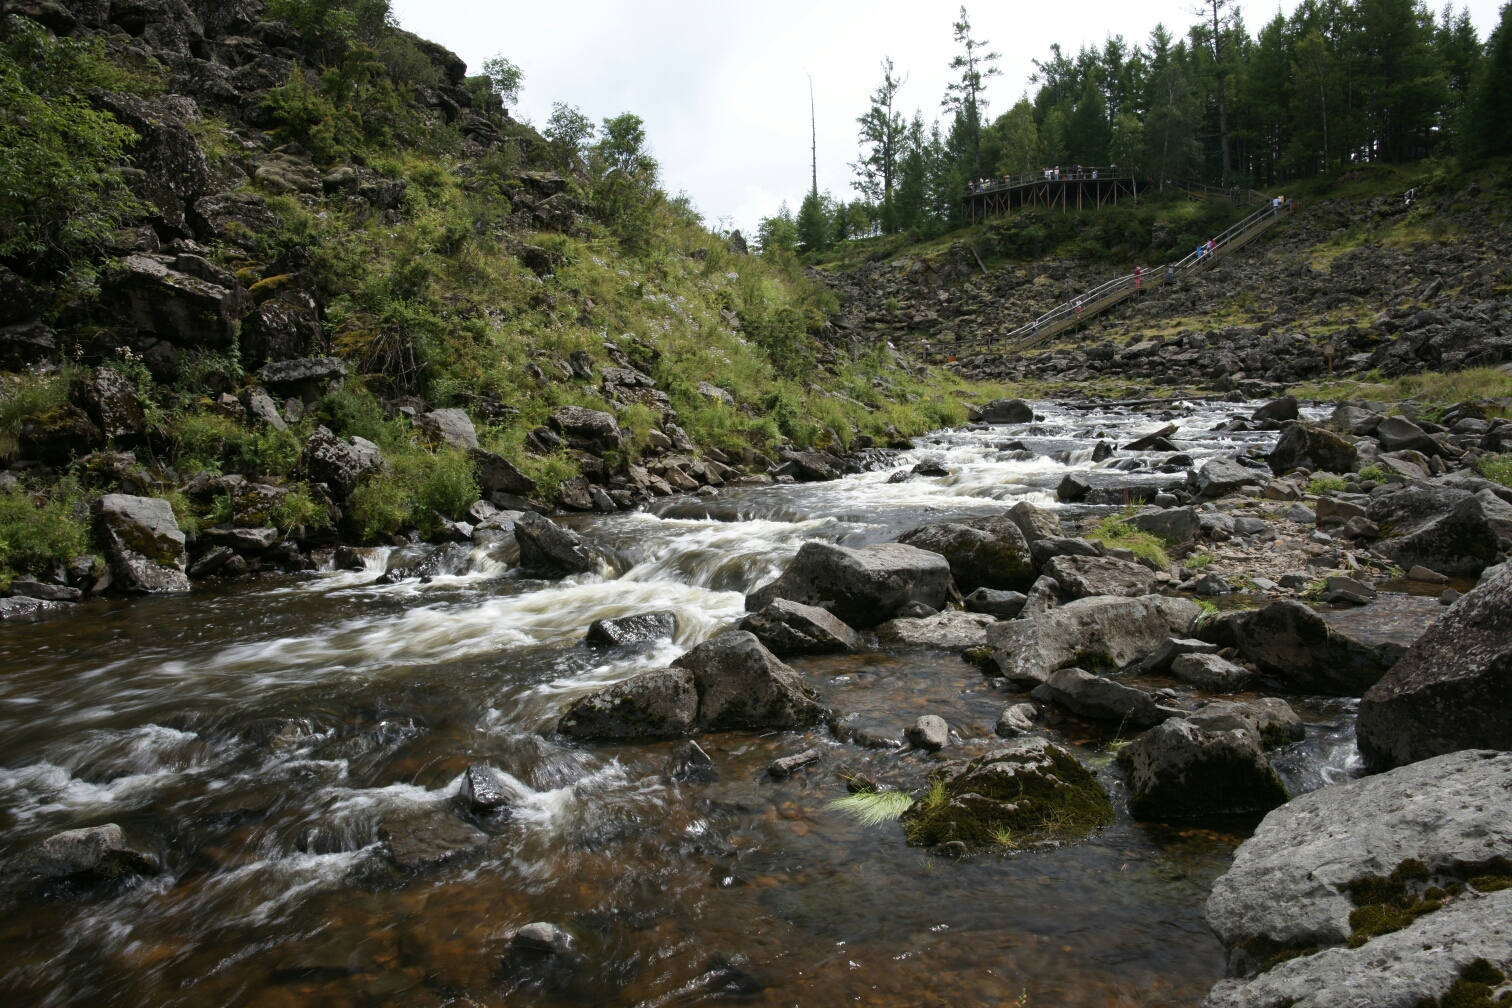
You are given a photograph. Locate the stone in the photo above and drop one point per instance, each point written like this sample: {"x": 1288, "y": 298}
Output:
{"x": 688, "y": 762}
{"x": 638, "y": 629}
{"x": 715, "y": 394}
{"x": 1270, "y": 720}
{"x": 1033, "y": 522}
{"x": 916, "y": 611}
{"x": 548, "y": 548}
{"x": 587, "y": 430}
{"x": 785, "y": 627}
{"x": 951, "y": 630}
{"x": 1301, "y": 513}
{"x": 1440, "y": 528}
{"x": 23, "y": 344}
{"x": 1212, "y": 673}
{"x": 1398, "y": 433}
{"x": 1354, "y": 420}
{"x": 306, "y": 378}
{"x": 1421, "y": 573}
{"x": 109, "y": 398}
{"x": 863, "y": 587}
{"x": 286, "y": 326}
{"x": 542, "y": 937}
{"x": 485, "y": 789}
{"x": 264, "y": 410}
{"x": 1288, "y": 639}
{"x": 1338, "y": 511}
{"x": 1450, "y": 690}
{"x": 496, "y": 474}
{"x": 1046, "y": 549}
{"x": 29, "y": 610}
{"x": 661, "y": 703}
{"x": 1170, "y": 649}
{"x": 339, "y": 464}
{"x": 1104, "y": 632}
{"x": 447, "y": 426}
{"x": 1284, "y": 408}
{"x": 241, "y": 539}
{"x": 142, "y": 542}
{"x": 1283, "y": 490}
{"x": 1043, "y": 596}
{"x": 1174, "y": 525}
{"x": 29, "y": 587}
{"x": 741, "y": 684}
{"x": 1016, "y": 719}
{"x": 171, "y": 305}
{"x": 785, "y": 766}
{"x": 1209, "y": 584}
{"x": 929, "y": 732}
{"x": 979, "y": 558}
{"x": 1099, "y": 699}
{"x": 1220, "y": 476}
{"x": 1177, "y": 770}
{"x": 1311, "y": 447}
{"x": 97, "y": 851}
{"x": 1003, "y": 604}
{"x": 1084, "y": 577}
{"x": 1005, "y": 411}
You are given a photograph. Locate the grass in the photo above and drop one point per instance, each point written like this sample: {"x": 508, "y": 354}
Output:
{"x": 1197, "y": 561}
{"x": 870, "y": 808}
{"x": 1376, "y": 472}
{"x": 1115, "y": 532}
{"x": 22, "y": 397}
{"x": 1470, "y": 385}
{"x": 1326, "y": 484}
{"x": 37, "y": 530}
{"x": 1209, "y": 611}
{"x": 1496, "y": 468}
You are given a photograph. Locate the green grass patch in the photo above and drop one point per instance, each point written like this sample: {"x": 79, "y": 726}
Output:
{"x": 1496, "y": 468}
{"x": 23, "y": 397}
{"x": 1197, "y": 561}
{"x": 1326, "y": 484}
{"x": 1115, "y": 532}
{"x": 38, "y": 529}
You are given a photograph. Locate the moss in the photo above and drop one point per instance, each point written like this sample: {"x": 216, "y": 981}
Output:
{"x": 1386, "y": 905}
{"x": 1493, "y": 877}
{"x": 1477, "y": 981}
{"x": 1115, "y": 532}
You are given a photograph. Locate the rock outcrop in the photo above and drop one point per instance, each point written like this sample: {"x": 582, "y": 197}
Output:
{"x": 143, "y": 543}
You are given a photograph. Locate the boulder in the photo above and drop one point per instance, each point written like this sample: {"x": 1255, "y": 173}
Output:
{"x": 143, "y": 543}
{"x": 1033, "y": 522}
{"x": 741, "y": 684}
{"x": 1284, "y": 408}
{"x": 1212, "y": 673}
{"x": 541, "y": 937}
{"x": 485, "y": 789}
{"x": 1317, "y": 449}
{"x": 448, "y": 426}
{"x": 109, "y": 398}
{"x": 1046, "y": 549}
{"x": 25, "y": 343}
{"x": 421, "y": 839}
{"x": 1437, "y": 527}
{"x": 951, "y": 630}
{"x": 96, "y": 851}
{"x": 284, "y": 327}
{"x": 1043, "y": 596}
{"x": 1085, "y": 577}
{"x": 1016, "y": 719}
{"x": 978, "y": 558}
{"x": 339, "y": 464}
{"x": 305, "y": 379}
{"x": 1104, "y": 632}
{"x": 638, "y": 629}
{"x": 1220, "y": 476}
{"x": 550, "y": 549}
{"x": 1002, "y": 604}
{"x": 1172, "y": 648}
{"x": 808, "y": 465}
{"x": 658, "y": 704}
{"x": 1005, "y": 411}
{"x": 587, "y": 430}
{"x": 1452, "y": 689}
{"x": 862, "y": 587}
{"x": 1174, "y": 525}
{"x": 929, "y": 732}
{"x": 1270, "y": 720}
{"x": 496, "y": 474}
{"x": 1354, "y": 420}
{"x": 1288, "y": 639}
{"x": 1099, "y": 699}
{"x": 1398, "y": 433}
{"x": 172, "y": 305}
{"x": 1177, "y": 770}
{"x": 785, "y": 627}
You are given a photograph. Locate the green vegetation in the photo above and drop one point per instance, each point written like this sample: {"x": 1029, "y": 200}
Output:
{"x": 1384, "y": 905}
{"x": 1197, "y": 561}
{"x": 1473, "y": 989}
{"x": 1470, "y": 385}
{"x": 23, "y": 397}
{"x": 1326, "y": 484}
{"x": 1375, "y": 472}
{"x": 872, "y": 807}
{"x": 40, "y": 529}
{"x": 1497, "y": 468}
{"x": 1115, "y": 532}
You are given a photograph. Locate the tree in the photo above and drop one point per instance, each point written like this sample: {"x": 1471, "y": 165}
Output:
{"x": 1213, "y": 9}
{"x": 778, "y": 234}
{"x": 624, "y": 175}
{"x": 1490, "y": 102}
{"x": 882, "y": 134}
{"x": 504, "y": 78}
{"x": 1312, "y": 75}
{"x": 1089, "y": 127}
{"x": 964, "y": 97}
{"x": 1018, "y": 139}
{"x": 1170, "y": 127}
{"x": 813, "y": 224}
{"x": 569, "y": 131}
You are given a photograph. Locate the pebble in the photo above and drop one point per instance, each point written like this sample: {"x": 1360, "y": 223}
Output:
{"x": 929, "y": 732}
{"x": 786, "y": 765}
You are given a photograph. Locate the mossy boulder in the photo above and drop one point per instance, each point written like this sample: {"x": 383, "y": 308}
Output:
{"x": 1010, "y": 797}
{"x": 143, "y": 543}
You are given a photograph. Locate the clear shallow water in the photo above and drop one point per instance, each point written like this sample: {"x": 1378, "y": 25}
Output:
{"x": 145, "y": 713}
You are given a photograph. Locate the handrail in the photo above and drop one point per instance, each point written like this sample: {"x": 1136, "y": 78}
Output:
{"x": 1109, "y": 173}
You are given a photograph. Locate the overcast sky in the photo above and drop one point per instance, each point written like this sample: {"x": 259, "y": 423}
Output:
{"x": 723, "y": 87}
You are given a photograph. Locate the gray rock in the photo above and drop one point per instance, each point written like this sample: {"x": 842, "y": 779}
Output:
{"x": 1284, "y": 408}
{"x": 996, "y": 603}
{"x": 1177, "y": 770}
{"x": 951, "y": 630}
{"x": 863, "y": 586}
{"x": 485, "y": 789}
{"x": 1421, "y": 573}
{"x": 1270, "y": 720}
{"x": 688, "y": 762}
{"x": 29, "y": 587}
{"x": 1316, "y": 449}
{"x": 637, "y": 629}
{"x": 785, "y": 766}
{"x": 741, "y": 684}
{"x": 1174, "y": 525}
{"x": 658, "y": 704}
{"x": 916, "y": 610}
{"x": 448, "y": 426}
{"x": 1290, "y": 640}
{"x": 1301, "y": 513}
{"x": 792, "y": 628}
{"x": 496, "y": 474}
{"x": 1439, "y": 528}
{"x": 1449, "y": 597}
{"x": 1048, "y": 548}
{"x": 929, "y": 732}
{"x": 1044, "y": 595}
{"x": 1354, "y": 420}
{"x": 261, "y": 408}
{"x": 1170, "y": 649}
{"x": 1211, "y": 673}
{"x": 98, "y": 851}
{"x": 1337, "y": 511}
{"x": 1398, "y": 433}
{"x": 1246, "y": 526}
{"x": 307, "y": 378}
{"x": 1099, "y": 699}
{"x": 1209, "y": 584}
{"x": 1107, "y": 631}
{"x": 1016, "y": 719}
{"x": 1450, "y": 690}
{"x": 1083, "y": 577}
{"x": 541, "y": 936}
{"x": 1033, "y": 522}
{"x": 1005, "y": 411}
{"x": 587, "y": 430}
{"x": 143, "y": 543}
{"x": 242, "y": 540}
{"x": 1220, "y": 476}
{"x": 547, "y": 547}
{"x": 979, "y": 558}
{"x": 338, "y": 464}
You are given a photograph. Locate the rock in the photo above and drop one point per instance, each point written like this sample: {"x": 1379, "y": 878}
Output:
{"x": 741, "y": 684}
{"x": 1047, "y": 549}
{"x": 1016, "y": 719}
{"x": 171, "y": 305}
{"x": 785, "y": 766}
{"x": 1101, "y": 632}
{"x": 97, "y": 851}
{"x": 1099, "y": 699}
{"x": 930, "y": 467}
{"x": 978, "y": 558}
{"x": 1148, "y": 442}
{"x": 951, "y": 630}
{"x": 1044, "y": 595}
{"x": 263, "y": 410}
{"x": 1033, "y": 522}
{"x": 658, "y": 704}
{"x": 1208, "y": 584}
{"x": 1290, "y": 640}
{"x": 916, "y": 610}
{"x": 576, "y": 493}
{"x": 1211, "y": 673}
{"x": 28, "y": 587}
{"x": 448, "y": 426}
{"x": 1421, "y": 573}
{"x": 1450, "y": 690}
{"x": 306, "y": 379}
{"x": 808, "y": 465}
{"x": 929, "y": 732}
{"x": 1354, "y": 420}
{"x": 688, "y": 762}
{"x": 1336, "y": 511}
{"x": 23, "y": 344}
{"x": 1083, "y": 577}
{"x": 110, "y": 400}
{"x": 1174, "y": 525}
{"x": 496, "y": 474}
{"x": 864, "y": 586}
{"x": 715, "y": 394}
{"x": 1313, "y": 447}
{"x": 1005, "y": 411}
{"x": 638, "y": 629}
{"x": 339, "y": 464}
{"x": 1289, "y": 884}
{"x": 542, "y": 937}
{"x": 1440, "y": 528}
{"x": 1270, "y": 720}
{"x": 1398, "y": 433}
{"x": 1011, "y": 794}
{"x": 1449, "y": 597}
{"x": 1284, "y": 408}
{"x": 30, "y": 610}
{"x": 1172, "y": 648}
{"x": 1220, "y": 476}
{"x": 587, "y": 430}
{"x": 242, "y": 540}
{"x": 143, "y": 543}
{"x": 547, "y": 547}
{"x": 284, "y": 327}
{"x": 1003, "y": 604}
{"x": 485, "y": 789}
{"x": 785, "y": 627}
{"x": 1177, "y": 770}
{"x": 1301, "y": 513}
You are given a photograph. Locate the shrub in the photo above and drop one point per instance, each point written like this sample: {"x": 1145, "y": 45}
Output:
{"x": 37, "y": 529}
{"x": 448, "y": 484}
{"x": 22, "y": 397}
{"x": 379, "y": 506}
{"x": 298, "y": 508}
{"x": 1116, "y": 532}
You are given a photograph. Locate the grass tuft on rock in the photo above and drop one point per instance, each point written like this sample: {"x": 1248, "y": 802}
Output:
{"x": 1115, "y": 532}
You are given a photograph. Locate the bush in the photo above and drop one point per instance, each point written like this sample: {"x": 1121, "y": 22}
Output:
{"x": 448, "y": 484}
{"x": 37, "y": 529}
{"x": 1115, "y": 532}
{"x": 23, "y": 397}
{"x": 379, "y": 506}
{"x": 298, "y": 508}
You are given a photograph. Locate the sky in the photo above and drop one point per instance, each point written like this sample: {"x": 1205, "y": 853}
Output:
{"x": 724, "y": 87}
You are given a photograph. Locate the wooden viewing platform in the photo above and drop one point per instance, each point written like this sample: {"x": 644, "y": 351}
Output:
{"x": 1090, "y": 188}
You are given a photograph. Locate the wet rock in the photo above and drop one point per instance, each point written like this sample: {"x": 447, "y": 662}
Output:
{"x": 930, "y": 467}
{"x": 1450, "y": 690}
{"x": 808, "y": 465}
{"x": 1099, "y": 699}
{"x": 1212, "y": 673}
{"x": 785, "y": 627}
{"x": 1177, "y": 770}
{"x": 1103, "y": 632}
{"x": 1313, "y": 447}
{"x": 1440, "y": 528}
{"x": 97, "y": 851}
{"x": 1084, "y": 577}
{"x": 485, "y": 789}
{"x": 862, "y": 587}
{"x": 496, "y": 474}
{"x": 1004, "y": 411}
{"x": 1003, "y": 604}
{"x": 550, "y": 549}
{"x": 637, "y": 629}
{"x": 1270, "y": 720}
{"x": 143, "y": 543}
{"x": 951, "y": 630}
{"x": 978, "y": 558}
{"x": 447, "y": 426}
{"x": 27, "y": 586}
{"x": 30, "y": 610}
{"x": 1421, "y": 573}
{"x": 1174, "y": 525}
{"x": 688, "y": 762}
{"x": 1016, "y": 719}
{"x": 1172, "y": 648}
{"x": 786, "y": 766}
{"x": 542, "y": 937}
{"x": 741, "y": 684}
{"x": 1284, "y": 408}
{"x": 1290, "y": 640}
{"x": 929, "y": 732}
{"x": 1043, "y": 596}
{"x": 1220, "y": 476}
{"x": 587, "y": 430}
{"x": 659, "y": 704}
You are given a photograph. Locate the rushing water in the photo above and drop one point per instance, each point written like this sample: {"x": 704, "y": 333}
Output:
{"x": 146, "y": 713}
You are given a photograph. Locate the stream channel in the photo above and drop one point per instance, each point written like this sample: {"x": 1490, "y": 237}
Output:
{"x": 276, "y": 888}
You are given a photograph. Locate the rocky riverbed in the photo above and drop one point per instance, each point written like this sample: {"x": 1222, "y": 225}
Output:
{"x": 945, "y": 732}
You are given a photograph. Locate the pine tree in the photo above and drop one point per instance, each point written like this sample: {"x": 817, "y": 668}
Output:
{"x": 882, "y": 134}
{"x": 813, "y": 223}
{"x": 1489, "y": 132}
{"x": 964, "y": 97}
{"x": 1089, "y": 127}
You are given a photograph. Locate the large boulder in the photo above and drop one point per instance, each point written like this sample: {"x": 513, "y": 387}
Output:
{"x": 1302, "y": 444}
{"x": 286, "y": 326}
{"x": 785, "y": 627}
{"x": 306, "y": 379}
{"x": 1178, "y": 770}
{"x": 979, "y": 558}
{"x": 339, "y": 464}
{"x": 1400, "y": 434}
{"x": 548, "y": 548}
{"x": 1174, "y": 525}
{"x": 173, "y": 305}
{"x": 1452, "y": 690}
{"x": 97, "y": 851}
{"x": 143, "y": 543}
{"x": 1033, "y": 522}
{"x": 587, "y": 430}
{"x": 1440, "y": 528}
{"x": 448, "y": 426}
{"x": 951, "y": 630}
{"x": 1104, "y": 632}
{"x": 1284, "y": 408}
{"x": 1354, "y": 420}
{"x": 1005, "y": 411}
{"x": 1317, "y": 867}
{"x": 1099, "y": 699}
{"x": 496, "y": 474}
{"x": 1221, "y": 476}
{"x": 862, "y": 587}
{"x": 1084, "y": 577}
{"x": 743, "y": 685}
{"x": 1270, "y": 720}
{"x": 1290, "y": 640}
{"x": 1211, "y": 672}
{"x": 659, "y": 704}
{"x": 110, "y": 400}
